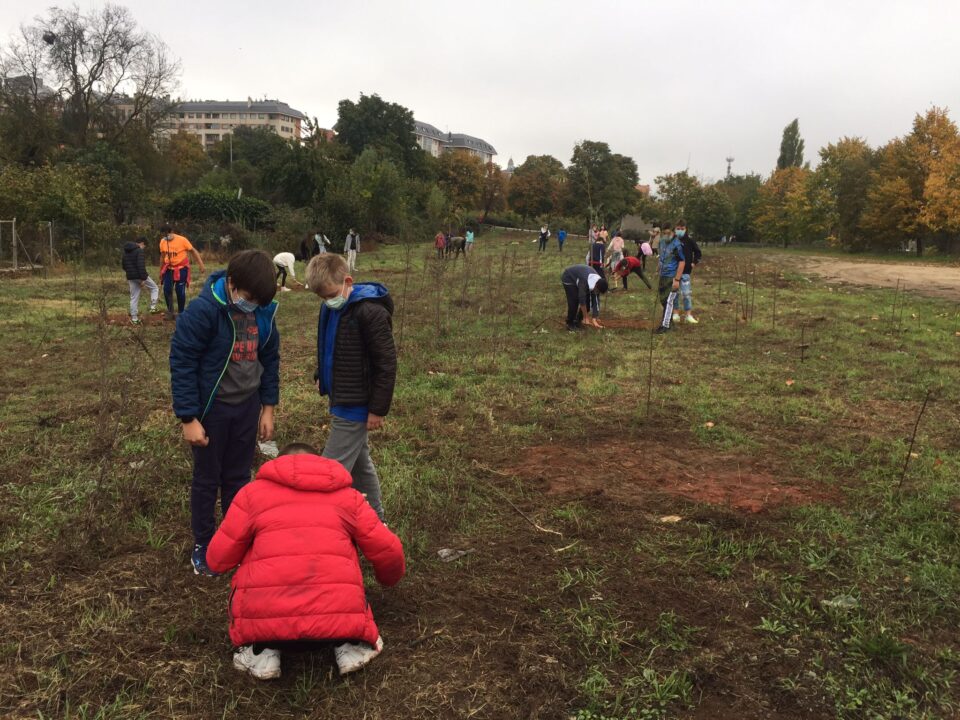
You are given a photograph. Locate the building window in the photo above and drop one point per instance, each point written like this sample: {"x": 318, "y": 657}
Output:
{"x": 233, "y": 116}
{"x": 215, "y": 116}
{"x": 261, "y": 116}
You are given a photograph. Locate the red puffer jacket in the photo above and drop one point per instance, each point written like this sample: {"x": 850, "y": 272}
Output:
{"x": 292, "y": 533}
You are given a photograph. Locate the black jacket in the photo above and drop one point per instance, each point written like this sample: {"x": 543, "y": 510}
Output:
{"x": 364, "y": 368}
{"x": 134, "y": 264}
{"x": 691, "y": 253}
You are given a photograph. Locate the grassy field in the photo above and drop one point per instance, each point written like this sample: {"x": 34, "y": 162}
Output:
{"x": 715, "y": 523}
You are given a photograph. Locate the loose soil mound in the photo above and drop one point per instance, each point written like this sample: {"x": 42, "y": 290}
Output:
{"x": 628, "y": 474}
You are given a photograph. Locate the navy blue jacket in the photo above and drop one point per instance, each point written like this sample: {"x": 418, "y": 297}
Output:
{"x": 202, "y": 345}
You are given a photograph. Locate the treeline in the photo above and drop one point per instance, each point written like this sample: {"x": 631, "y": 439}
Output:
{"x": 904, "y": 194}
{"x": 68, "y": 156}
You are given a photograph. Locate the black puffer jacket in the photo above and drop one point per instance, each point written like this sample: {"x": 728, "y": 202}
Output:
{"x": 364, "y": 358}
{"x": 134, "y": 264}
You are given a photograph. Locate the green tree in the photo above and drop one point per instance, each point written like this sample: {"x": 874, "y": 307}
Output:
{"x": 711, "y": 214}
{"x": 742, "y": 191}
{"x": 844, "y": 174}
{"x": 182, "y": 162}
{"x": 461, "y": 176}
{"x": 538, "y": 186}
{"x": 371, "y": 196}
{"x": 493, "y": 196}
{"x": 677, "y": 193}
{"x": 791, "y": 146}
{"x": 791, "y": 208}
{"x": 372, "y": 122}
{"x": 67, "y": 194}
{"x": 603, "y": 185}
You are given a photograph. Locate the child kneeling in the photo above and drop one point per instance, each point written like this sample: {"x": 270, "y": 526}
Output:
{"x": 294, "y": 533}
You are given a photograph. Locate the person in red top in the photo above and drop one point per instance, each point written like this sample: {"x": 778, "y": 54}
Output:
{"x": 440, "y": 243}
{"x": 629, "y": 265}
{"x": 294, "y": 533}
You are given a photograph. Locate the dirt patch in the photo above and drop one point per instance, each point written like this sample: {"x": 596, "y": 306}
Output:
{"x": 123, "y": 320}
{"x": 928, "y": 280}
{"x": 630, "y": 474}
{"x": 626, "y": 324}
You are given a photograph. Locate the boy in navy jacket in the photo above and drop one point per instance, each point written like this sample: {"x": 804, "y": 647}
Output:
{"x": 224, "y": 373}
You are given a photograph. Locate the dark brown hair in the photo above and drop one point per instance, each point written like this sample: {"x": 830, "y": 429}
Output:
{"x": 298, "y": 448}
{"x": 254, "y": 272}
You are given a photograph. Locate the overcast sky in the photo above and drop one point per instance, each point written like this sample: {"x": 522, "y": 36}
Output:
{"x": 670, "y": 83}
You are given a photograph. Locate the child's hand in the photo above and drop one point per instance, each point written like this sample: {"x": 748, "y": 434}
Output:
{"x": 266, "y": 423}
{"x": 194, "y": 434}
{"x": 374, "y": 422}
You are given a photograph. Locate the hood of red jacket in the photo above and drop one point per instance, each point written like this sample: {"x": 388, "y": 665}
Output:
{"x": 306, "y": 472}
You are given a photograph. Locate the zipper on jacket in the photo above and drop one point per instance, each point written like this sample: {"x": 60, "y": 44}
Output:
{"x": 230, "y": 355}
{"x": 225, "y": 366}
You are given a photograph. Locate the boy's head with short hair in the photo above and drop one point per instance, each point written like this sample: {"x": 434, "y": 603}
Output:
{"x": 253, "y": 275}
{"x": 141, "y": 241}
{"x": 298, "y": 448}
{"x": 601, "y": 286}
{"x": 328, "y": 275}
{"x": 165, "y": 229}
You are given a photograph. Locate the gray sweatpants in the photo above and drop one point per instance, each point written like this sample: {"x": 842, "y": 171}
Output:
{"x": 150, "y": 285}
{"x": 347, "y": 443}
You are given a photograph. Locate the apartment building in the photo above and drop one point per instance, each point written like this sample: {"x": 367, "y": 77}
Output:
{"x": 432, "y": 140}
{"x": 212, "y": 121}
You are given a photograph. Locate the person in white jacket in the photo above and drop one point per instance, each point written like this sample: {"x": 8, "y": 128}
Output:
{"x": 351, "y": 247}
{"x": 285, "y": 263}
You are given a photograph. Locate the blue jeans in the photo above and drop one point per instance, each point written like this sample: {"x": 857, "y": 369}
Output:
{"x": 686, "y": 292}
{"x": 181, "y": 285}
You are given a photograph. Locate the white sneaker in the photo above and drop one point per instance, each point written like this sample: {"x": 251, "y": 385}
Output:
{"x": 265, "y": 666}
{"x": 676, "y": 317}
{"x": 284, "y": 289}
{"x": 692, "y": 320}
{"x": 353, "y": 656}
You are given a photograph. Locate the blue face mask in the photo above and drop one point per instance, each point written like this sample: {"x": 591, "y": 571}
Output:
{"x": 681, "y": 233}
{"x": 337, "y": 302}
{"x": 244, "y": 305}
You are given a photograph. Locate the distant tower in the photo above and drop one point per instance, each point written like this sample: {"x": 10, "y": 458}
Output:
{"x": 729, "y": 165}
{"x": 510, "y": 168}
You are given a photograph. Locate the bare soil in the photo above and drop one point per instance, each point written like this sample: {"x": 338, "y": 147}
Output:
{"x": 929, "y": 280}
{"x": 630, "y": 474}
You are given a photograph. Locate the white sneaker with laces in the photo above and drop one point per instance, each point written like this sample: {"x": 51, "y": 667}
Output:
{"x": 353, "y": 656}
{"x": 676, "y": 317}
{"x": 692, "y": 320}
{"x": 265, "y": 666}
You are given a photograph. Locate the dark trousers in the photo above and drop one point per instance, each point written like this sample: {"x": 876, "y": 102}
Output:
{"x": 560, "y": 244}
{"x": 574, "y": 315}
{"x": 181, "y": 286}
{"x": 282, "y": 275}
{"x": 224, "y": 464}
{"x": 636, "y": 271}
{"x": 598, "y": 268}
{"x": 543, "y": 244}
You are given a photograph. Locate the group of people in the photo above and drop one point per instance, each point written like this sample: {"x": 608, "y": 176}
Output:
{"x": 445, "y": 242}
{"x": 175, "y": 254}
{"x": 294, "y": 532}
{"x": 677, "y": 254}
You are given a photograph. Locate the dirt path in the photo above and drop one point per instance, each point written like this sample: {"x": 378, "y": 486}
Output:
{"x": 931, "y": 280}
